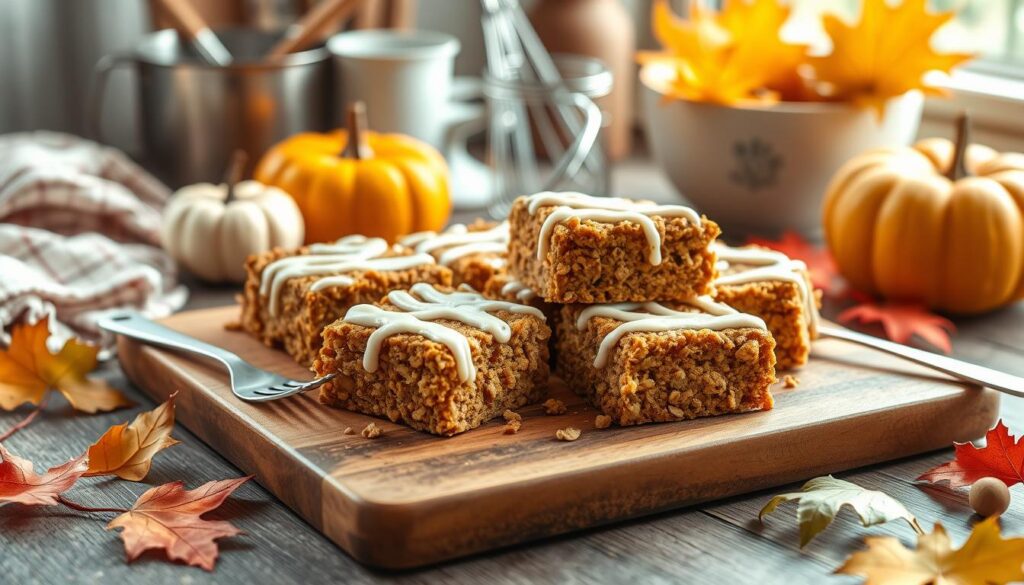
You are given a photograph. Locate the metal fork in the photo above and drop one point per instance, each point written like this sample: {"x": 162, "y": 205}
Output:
{"x": 247, "y": 381}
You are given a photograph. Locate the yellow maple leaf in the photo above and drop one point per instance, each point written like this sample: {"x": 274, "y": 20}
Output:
{"x": 760, "y": 50}
{"x": 727, "y": 57}
{"x": 986, "y": 558}
{"x": 885, "y": 54}
{"x": 28, "y": 370}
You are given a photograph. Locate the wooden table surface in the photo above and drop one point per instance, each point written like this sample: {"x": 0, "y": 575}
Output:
{"x": 715, "y": 543}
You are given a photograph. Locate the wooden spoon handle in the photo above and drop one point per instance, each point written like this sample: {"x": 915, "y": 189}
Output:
{"x": 191, "y": 26}
{"x": 313, "y": 26}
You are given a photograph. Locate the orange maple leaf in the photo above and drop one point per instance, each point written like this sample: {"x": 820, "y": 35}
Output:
{"x": 127, "y": 450}
{"x": 885, "y": 54}
{"x": 19, "y": 483}
{"x": 28, "y": 370}
{"x": 900, "y": 321}
{"x": 820, "y": 265}
{"x": 168, "y": 517}
{"x": 1002, "y": 457}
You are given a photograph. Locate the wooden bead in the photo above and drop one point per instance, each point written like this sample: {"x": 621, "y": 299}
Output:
{"x": 989, "y": 497}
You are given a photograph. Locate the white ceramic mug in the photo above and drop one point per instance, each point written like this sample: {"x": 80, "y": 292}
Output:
{"x": 406, "y": 80}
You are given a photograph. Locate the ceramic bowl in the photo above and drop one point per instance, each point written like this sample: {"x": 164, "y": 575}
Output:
{"x": 764, "y": 169}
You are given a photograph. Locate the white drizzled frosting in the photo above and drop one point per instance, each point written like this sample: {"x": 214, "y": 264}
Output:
{"x": 653, "y": 317}
{"x": 460, "y": 242}
{"x": 520, "y": 290}
{"x": 420, "y": 307}
{"x": 605, "y": 210}
{"x": 349, "y": 254}
{"x": 767, "y": 265}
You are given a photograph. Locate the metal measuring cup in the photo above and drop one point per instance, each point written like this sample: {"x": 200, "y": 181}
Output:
{"x": 192, "y": 116}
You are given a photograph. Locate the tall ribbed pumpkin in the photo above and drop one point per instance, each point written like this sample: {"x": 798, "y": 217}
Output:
{"x": 354, "y": 181}
{"x": 936, "y": 223}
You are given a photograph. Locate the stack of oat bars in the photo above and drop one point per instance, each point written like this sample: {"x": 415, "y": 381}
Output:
{"x": 651, "y": 318}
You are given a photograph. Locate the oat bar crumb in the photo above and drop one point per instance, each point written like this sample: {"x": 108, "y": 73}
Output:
{"x": 235, "y": 325}
{"x": 349, "y": 431}
{"x": 554, "y": 406}
{"x": 512, "y": 426}
{"x": 372, "y": 431}
{"x": 512, "y": 416}
{"x": 602, "y": 421}
{"x": 789, "y": 381}
{"x": 567, "y": 434}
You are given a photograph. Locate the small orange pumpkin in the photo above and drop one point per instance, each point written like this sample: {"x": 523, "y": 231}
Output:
{"x": 382, "y": 185}
{"x": 937, "y": 223}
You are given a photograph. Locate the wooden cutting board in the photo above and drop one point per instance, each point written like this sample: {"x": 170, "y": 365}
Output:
{"x": 409, "y": 498}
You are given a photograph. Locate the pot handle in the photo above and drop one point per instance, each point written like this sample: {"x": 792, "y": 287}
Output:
{"x": 98, "y": 93}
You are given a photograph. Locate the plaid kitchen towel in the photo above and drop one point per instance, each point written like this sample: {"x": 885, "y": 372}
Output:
{"x": 79, "y": 236}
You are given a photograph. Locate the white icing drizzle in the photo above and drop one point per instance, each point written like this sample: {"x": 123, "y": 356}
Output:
{"x": 420, "y": 307}
{"x": 654, "y": 317}
{"x": 460, "y": 242}
{"x": 768, "y": 265}
{"x": 452, "y": 254}
{"x": 348, "y": 254}
{"x": 520, "y": 290}
{"x": 352, "y": 245}
{"x": 605, "y": 210}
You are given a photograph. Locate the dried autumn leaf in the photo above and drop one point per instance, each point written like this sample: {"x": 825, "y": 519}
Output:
{"x": 28, "y": 369}
{"x": 168, "y": 517}
{"x": 19, "y": 483}
{"x": 1002, "y": 457}
{"x": 820, "y": 265}
{"x": 127, "y": 450}
{"x": 885, "y": 54}
{"x": 820, "y": 499}
{"x": 985, "y": 559}
{"x": 900, "y": 321}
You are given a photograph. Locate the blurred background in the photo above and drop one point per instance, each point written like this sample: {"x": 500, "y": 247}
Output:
{"x": 48, "y": 49}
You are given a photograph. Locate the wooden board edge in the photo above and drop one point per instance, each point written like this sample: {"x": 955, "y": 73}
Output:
{"x": 392, "y": 536}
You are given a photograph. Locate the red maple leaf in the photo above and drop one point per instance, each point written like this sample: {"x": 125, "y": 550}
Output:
{"x": 19, "y": 483}
{"x": 1002, "y": 457}
{"x": 820, "y": 265}
{"x": 168, "y": 517}
{"x": 900, "y": 321}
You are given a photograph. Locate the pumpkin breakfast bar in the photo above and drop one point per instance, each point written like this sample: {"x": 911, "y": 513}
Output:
{"x": 652, "y": 362}
{"x": 290, "y": 296}
{"x": 474, "y": 253}
{"x": 574, "y": 248}
{"x": 775, "y": 288}
{"x": 437, "y": 360}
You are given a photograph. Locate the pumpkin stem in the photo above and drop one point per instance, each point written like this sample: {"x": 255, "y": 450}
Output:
{"x": 234, "y": 173}
{"x": 958, "y": 166}
{"x": 357, "y": 147}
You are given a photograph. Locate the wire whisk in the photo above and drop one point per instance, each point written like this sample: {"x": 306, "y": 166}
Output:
{"x": 537, "y": 100}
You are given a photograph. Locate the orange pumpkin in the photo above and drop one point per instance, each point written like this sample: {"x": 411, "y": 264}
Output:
{"x": 383, "y": 185}
{"x": 937, "y": 223}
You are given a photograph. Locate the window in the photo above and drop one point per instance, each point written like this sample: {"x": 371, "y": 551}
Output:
{"x": 993, "y": 29}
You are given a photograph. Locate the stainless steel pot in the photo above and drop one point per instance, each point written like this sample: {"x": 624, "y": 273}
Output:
{"x": 192, "y": 116}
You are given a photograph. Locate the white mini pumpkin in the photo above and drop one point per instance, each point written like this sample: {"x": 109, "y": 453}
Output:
{"x": 211, "y": 229}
